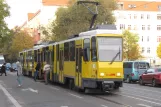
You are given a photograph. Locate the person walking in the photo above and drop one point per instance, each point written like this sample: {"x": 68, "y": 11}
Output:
{"x": 3, "y": 69}
{"x": 38, "y": 66}
{"x": 46, "y": 70}
{"x": 19, "y": 73}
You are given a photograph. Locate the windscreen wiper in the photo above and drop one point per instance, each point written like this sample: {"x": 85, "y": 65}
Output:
{"x": 118, "y": 53}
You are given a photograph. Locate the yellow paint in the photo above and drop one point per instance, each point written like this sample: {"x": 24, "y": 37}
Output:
{"x": 112, "y": 35}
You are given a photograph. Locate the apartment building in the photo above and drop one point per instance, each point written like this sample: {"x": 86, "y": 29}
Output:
{"x": 144, "y": 18}
{"x": 44, "y": 16}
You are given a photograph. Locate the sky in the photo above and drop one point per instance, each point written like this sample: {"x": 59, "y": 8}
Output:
{"x": 19, "y": 10}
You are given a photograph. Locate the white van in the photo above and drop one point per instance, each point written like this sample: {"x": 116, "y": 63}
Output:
{"x": 1, "y": 60}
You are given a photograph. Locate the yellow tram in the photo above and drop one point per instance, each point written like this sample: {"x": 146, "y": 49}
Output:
{"x": 89, "y": 60}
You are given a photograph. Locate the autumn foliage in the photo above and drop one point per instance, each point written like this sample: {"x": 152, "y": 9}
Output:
{"x": 131, "y": 48}
{"x": 21, "y": 40}
{"x": 159, "y": 50}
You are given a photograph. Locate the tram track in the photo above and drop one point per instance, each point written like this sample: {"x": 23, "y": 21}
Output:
{"x": 112, "y": 101}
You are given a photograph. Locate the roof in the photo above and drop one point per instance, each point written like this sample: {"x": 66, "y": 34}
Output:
{"x": 100, "y": 31}
{"x": 140, "y": 5}
{"x": 32, "y": 15}
{"x": 55, "y": 2}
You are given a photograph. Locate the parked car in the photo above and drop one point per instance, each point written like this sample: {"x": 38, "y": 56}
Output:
{"x": 151, "y": 76}
{"x": 133, "y": 70}
{"x": 8, "y": 66}
{"x": 13, "y": 67}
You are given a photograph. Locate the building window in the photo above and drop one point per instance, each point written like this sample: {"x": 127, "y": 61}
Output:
{"x": 159, "y": 7}
{"x": 158, "y": 38}
{"x": 142, "y": 39}
{"x": 148, "y": 16}
{"x": 148, "y": 50}
{"x": 142, "y": 16}
{"x": 129, "y": 27}
{"x": 132, "y": 6}
{"x": 159, "y": 16}
{"x": 129, "y": 15}
{"x": 148, "y": 27}
{"x": 158, "y": 27}
{"x": 143, "y": 50}
{"x": 122, "y": 26}
{"x": 143, "y": 27}
{"x": 135, "y": 27}
{"x": 147, "y": 38}
{"x": 135, "y": 16}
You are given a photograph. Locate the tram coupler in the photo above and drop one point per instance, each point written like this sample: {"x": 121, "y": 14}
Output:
{"x": 108, "y": 85}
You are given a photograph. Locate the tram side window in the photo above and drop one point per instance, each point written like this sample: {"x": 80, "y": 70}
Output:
{"x": 94, "y": 50}
{"x": 87, "y": 48}
{"x": 127, "y": 65}
{"x": 66, "y": 51}
{"x": 72, "y": 51}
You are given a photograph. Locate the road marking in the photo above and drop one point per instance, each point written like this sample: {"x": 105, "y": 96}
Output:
{"x": 143, "y": 89}
{"x": 30, "y": 89}
{"x": 54, "y": 88}
{"x": 144, "y": 105}
{"x": 141, "y": 96}
{"x": 140, "y": 99}
{"x": 104, "y": 106}
{"x": 15, "y": 103}
{"x": 75, "y": 95}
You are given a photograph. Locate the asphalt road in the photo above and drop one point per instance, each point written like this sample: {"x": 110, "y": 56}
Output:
{"x": 37, "y": 94}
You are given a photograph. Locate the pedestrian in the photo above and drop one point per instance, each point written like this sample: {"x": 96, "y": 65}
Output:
{"x": 19, "y": 73}
{"x": 38, "y": 66}
{"x": 46, "y": 70}
{"x": 3, "y": 69}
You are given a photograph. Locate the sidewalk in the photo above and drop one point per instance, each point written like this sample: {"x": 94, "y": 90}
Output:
{"x": 37, "y": 94}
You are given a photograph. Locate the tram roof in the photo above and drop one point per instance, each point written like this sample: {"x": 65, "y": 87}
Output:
{"x": 100, "y": 31}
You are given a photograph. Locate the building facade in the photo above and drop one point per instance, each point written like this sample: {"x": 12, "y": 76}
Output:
{"x": 144, "y": 18}
{"x": 42, "y": 17}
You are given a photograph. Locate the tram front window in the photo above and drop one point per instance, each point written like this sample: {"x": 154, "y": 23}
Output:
{"x": 109, "y": 49}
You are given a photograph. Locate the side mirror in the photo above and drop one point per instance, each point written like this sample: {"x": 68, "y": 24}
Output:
{"x": 145, "y": 72}
{"x": 85, "y": 54}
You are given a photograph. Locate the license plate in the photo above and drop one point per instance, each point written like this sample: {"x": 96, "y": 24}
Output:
{"x": 108, "y": 82}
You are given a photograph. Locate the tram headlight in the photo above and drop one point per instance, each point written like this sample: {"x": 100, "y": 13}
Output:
{"x": 118, "y": 74}
{"x": 102, "y": 74}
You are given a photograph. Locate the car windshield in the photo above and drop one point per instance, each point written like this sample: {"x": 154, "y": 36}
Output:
{"x": 1, "y": 61}
{"x": 159, "y": 70}
{"x": 109, "y": 49}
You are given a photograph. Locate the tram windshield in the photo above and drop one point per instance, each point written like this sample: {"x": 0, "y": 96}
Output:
{"x": 109, "y": 49}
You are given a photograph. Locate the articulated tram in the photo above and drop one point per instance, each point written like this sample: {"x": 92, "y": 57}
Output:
{"x": 89, "y": 60}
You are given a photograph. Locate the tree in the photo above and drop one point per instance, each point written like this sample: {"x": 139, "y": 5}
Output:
{"x": 130, "y": 46}
{"x": 159, "y": 50}
{"x": 76, "y": 18}
{"x": 4, "y": 31}
{"x": 20, "y": 41}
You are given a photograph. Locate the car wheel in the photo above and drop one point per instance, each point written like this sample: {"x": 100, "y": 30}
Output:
{"x": 128, "y": 80}
{"x": 141, "y": 81}
{"x": 154, "y": 83}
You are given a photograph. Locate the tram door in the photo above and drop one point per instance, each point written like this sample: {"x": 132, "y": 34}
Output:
{"x": 61, "y": 65}
{"x": 78, "y": 67}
